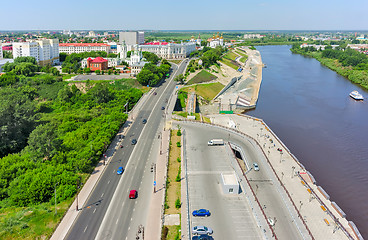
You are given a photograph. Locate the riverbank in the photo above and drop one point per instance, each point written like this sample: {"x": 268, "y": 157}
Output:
{"x": 359, "y": 77}
{"x": 322, "y": 216}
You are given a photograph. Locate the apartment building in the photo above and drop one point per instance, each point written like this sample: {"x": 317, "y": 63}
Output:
{"x": 83, "y": 47}
{"x": 131, "y": 38}
{"x": 45, "y": 51}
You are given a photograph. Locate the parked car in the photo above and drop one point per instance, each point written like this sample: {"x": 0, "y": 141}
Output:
{"x": 133, "y": 194}
{"x": 162, "y": 108}
{"x": 255, "y": 167}
{"x": 121, "y": 146}
{"x": 201, "y": 230}
{"x": 202, "y": 237}
{"x": 201, "y": 213}
{"x": 120, "y": 170}
{"x": 155, "y": 93}
{"x": 144, "y": 121}
{"x": 134, "y": 141}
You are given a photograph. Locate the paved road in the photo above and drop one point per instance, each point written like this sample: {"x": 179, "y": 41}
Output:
{"x": 89, "y": 220}
{"x": 269, "y": 192}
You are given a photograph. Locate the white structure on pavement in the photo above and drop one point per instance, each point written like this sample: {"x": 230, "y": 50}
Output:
{"x": 45, "y": 51}
{"x": 169, "y": 50}
{"x": 230, "y": 184}
{"x": 84, "y": 47}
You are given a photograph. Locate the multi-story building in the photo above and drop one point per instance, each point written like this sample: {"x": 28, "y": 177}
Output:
{"x": 131, "y": 38}
{"x": 83, "y": 47}
{"x": 252, "y": 35}
{"x": 111, "y": 62}
{"x": 45, "y": 51}
{"x": 98, "y": 63}
{"x": 169, "y": 50}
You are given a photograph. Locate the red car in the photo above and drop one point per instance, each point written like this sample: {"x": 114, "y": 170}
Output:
{"x": 133, "y": 194}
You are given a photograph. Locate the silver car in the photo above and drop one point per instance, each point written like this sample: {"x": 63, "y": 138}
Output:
{"x": 255, "y": 167}
{"x": 200, "y": 230}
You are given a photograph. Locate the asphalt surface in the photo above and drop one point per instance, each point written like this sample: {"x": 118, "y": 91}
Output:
{"x": 134, "y": 159}
{"x": 226, "y": 215}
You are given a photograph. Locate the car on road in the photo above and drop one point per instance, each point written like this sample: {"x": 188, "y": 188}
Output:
{"x": 201, "y": 230}
{"x": 120, "y": 170}
{"x": 134, "y": 141}
{"x": 162, "y": 108}
{"x": 202, "y": 237}
{"x": 255, "y": 167}
{"x": 144, "y": 121}
{"x": 133, "y": 194}
{"x": 201, "y": 213}
{"x": 155, "y": 93}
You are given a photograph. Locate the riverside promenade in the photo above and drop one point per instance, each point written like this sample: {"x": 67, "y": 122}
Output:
{"x": 320, "y": 214}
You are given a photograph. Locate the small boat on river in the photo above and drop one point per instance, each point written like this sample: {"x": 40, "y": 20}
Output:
{"x": 356, "y": 95}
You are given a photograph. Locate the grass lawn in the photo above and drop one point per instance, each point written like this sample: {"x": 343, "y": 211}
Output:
{"x": 206, "y": 119}
{"x": 37, "y": 222}
{"x": 173, "y": 189}
{"x": 183, "y": 114}
{"x": 207, "y": 91}
{"x": 241, "y": 53}
{"x": 202, "y": 76}
{"x": 68, "y": 76}
{"x": 230, "y": 55}
{"x": 172, "y": 232}
{"x": 229, "y": 63}
{"x": 175, "y": 61}
{"x": 243, "y": 59}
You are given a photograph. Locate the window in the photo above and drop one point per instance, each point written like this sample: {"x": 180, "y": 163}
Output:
{"x": 231, "y": 190}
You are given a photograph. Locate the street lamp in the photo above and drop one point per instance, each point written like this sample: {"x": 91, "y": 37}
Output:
{"x": 281, "y": 156}
{"x": 301, "y": 204}
{"x": 282, "y": 176}
{"x": 292, "y": 172}
{"x": 55, "y": 197}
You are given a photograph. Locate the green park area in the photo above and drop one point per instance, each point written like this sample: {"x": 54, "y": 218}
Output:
{"x": 206, "y": 91}
{"x": 202, "y": 76}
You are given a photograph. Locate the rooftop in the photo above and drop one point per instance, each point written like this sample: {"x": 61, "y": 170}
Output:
{"x": 82, "y": 44}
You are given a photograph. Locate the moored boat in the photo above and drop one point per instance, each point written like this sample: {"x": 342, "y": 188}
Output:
{"x": 356, "y": 95}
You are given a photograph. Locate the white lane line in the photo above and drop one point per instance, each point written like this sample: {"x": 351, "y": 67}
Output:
{"x": 126, "y": 238}
{"x": 94, "y": 210}
{"x": 128, "y": 228}
{"x": 85, "y": 228}
{"x": 131, "y": 219}
{"x": 102, "y": 194}
{"x": 133, "y": 209}
{"x": 117, "y": 220}
{"x": 108, "y": 182}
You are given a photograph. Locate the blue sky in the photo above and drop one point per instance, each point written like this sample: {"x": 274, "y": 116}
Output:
{"x": 184, "y": 15}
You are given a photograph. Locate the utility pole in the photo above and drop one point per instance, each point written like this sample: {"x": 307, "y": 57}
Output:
{"x": 154, "y": 178}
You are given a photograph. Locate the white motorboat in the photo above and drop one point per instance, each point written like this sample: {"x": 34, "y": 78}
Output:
{"x": 356, "y": 95}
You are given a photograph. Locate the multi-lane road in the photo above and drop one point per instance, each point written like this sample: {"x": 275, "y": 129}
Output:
{"x": 108, "y": 212}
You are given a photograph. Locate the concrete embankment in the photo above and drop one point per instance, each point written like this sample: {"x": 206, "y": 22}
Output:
{"x": 323, "y": 218}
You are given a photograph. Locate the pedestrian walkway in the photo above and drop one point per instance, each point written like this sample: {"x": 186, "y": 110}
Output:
{"x": 322, "y": 217}
{"x": 82, "y": 197}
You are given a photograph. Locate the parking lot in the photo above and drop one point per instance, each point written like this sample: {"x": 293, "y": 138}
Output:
{"x": 231, "y": 217}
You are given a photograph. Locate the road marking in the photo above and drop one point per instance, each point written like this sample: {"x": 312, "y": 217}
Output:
{"x": 117, "y": 220}
{"x": 128, "y": 228}
{"x": 102, "y": 194}
{"x": 85, "y": 228}
{"x": 131, "y": 219}
{"x": 94, "y": 210}
{"x": 108, "y": 182}
{"x": 133, "y": 209}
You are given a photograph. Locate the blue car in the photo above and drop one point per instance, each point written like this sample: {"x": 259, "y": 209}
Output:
{"x": 201, "y": 213}
{"x": 120, "y": 170}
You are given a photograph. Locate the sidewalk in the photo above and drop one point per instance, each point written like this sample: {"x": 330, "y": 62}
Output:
{"x": 72, "y": 213}
{"x": 316, "y": 209}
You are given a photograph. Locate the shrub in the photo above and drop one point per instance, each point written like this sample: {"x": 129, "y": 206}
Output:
{"x": 178, "y": 133}
{"x": 178, "y": 177}
{"x": 178, "y": 159}
{"x": 178, "y": 144}
{"x": 165, "y": 231}
{"x": 177, "y": 203}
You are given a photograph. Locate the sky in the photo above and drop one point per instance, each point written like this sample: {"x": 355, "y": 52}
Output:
{"x": 184, "y": 15}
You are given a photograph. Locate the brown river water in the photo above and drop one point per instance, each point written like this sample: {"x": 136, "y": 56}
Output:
{"x": 308, "y": 106}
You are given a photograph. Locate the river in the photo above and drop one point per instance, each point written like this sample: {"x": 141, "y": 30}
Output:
{"x": 308, "y": 106}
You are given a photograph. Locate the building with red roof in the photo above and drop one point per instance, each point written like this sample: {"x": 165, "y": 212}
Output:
{"x": 98, "y": 63}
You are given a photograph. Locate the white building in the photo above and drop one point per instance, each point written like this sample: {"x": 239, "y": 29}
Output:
{"x": 216, "y": 41}
{"x": 131, "y": 38}
{"x": 252, "y": 35}
{"x": 91, "y": 34}
{"x": 83, "y": 47}
{"x": 169, "y": 50}
{"x": 1, "y": 51}
{"x": 230, "y": 184}
{"x": 45, "y": 51}
{"x": 136, "y": 60}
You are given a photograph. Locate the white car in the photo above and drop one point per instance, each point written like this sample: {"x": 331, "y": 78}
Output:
{"x": 255, "y": 167}
{"x": 200, "y": 230}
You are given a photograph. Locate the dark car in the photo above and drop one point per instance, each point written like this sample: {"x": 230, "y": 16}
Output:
{"x": 155, "y": 93}
{"x": 162, "y": 108}
{"x": 201, "y": 213}
{"x": 144, "y": 121}
{"x": 134, "y": 141}
{"x": 121, "y": 146}
{"x": 120, "y": 170}
{"x": 202, "y": 237}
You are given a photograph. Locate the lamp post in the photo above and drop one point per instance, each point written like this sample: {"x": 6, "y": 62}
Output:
{"x": 292, "y": 171}
{"x": 282, "y": 176}
{"x": 55, "y": 197}
{"x": 154, "y": 178}
{"x": 301, "y": 204}
{"x": 281, "y": 156}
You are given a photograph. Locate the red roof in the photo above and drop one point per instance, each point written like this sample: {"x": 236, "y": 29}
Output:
{"x": 89, "y": 59}
{"x": 156, "y": 43}
{"x": 99, "y": 60}
{"x": 82, "y": 44}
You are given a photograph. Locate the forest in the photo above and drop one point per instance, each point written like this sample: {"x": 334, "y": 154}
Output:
{"x": 53, "y": 133}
